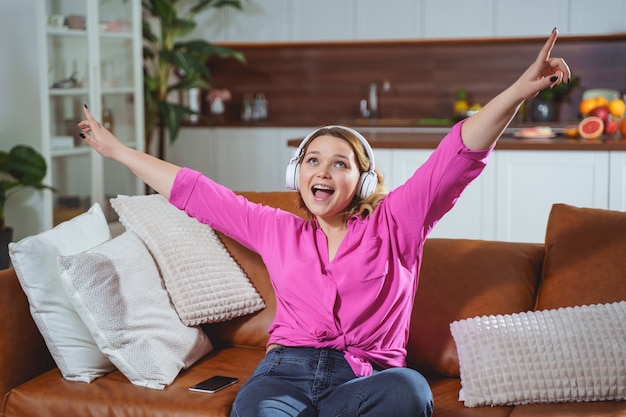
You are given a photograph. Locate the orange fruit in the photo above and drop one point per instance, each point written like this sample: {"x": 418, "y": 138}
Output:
{"x": 617, "y": 107}
{"x": 571, "y": 131}
{"x": 622, "y": 127}
{"x": 601, "y": 101}
{"x": 591, "y": 127}
{"x": 587, "y": 105}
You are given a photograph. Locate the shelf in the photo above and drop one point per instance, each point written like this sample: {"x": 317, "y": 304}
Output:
{"x": 76, "y": 150}
{"x": 68, "y": 91}
{"x": 106, "y": 55}
{"x": 66, "y": 31}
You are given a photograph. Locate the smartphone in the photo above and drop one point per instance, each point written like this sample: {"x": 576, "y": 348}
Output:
{"x": 214, "y": 384}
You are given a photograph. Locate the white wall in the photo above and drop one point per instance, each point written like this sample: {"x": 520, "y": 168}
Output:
{"x": 19, "y": 103}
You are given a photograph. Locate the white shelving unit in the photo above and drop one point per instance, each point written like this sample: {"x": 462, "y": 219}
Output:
{"x": 91, "y": 53}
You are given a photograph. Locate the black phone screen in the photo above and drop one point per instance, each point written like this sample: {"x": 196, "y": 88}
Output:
{"x": 214, "y": 384}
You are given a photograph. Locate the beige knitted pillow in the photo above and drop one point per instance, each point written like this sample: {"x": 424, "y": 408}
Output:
{"x": 204, "y": 282}
{"x": 550, "y": 356}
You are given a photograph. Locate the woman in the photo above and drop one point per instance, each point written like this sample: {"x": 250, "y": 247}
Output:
{"x": 345, "y": 279}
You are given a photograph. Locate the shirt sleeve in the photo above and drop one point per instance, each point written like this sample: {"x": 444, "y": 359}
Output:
{"x": 222, "y": 209}
{"x": 436, "y": 185}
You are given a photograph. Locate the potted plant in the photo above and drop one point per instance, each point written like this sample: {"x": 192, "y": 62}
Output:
{"x": 21, "y": 167}
{"x": 171, "y": 66}
{"x": 545, "y": 107}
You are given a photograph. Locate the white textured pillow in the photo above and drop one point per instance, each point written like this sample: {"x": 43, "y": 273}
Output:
{"x": 116, "y": 289}
{"x": 204, "y": 282}
{"x": 565, "y": 355}
{"x": 35, "y": 261}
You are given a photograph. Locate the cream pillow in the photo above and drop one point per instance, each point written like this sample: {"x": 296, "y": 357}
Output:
{"x": 116, "y": 289}
{"x": 563, "y": 355}
{"x": 35, "y": 261}
{"x": 204, "y": 282}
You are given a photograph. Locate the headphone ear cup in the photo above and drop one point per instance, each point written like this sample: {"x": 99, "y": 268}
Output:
{"x": 292, "y": 174}
{"x": 367, "y": 184}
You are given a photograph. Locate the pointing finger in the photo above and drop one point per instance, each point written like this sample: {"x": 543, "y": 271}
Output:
{"x": 544, "y": 54}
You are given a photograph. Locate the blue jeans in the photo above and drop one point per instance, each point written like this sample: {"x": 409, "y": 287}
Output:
{"x": 313, "y": 382}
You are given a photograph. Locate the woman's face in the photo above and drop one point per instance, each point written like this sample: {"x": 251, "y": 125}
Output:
{"x": 328, "y": 178}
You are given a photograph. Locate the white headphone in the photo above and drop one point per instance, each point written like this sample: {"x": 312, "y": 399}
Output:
{"x": 367, "y": 182}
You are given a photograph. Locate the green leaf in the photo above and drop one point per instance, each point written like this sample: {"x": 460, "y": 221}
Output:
{"x": 165, "y": 11}
{"x": 25, "y": 164}
{"x": 206, "y": 4}
{"x": 4, "y": 158}
{"x": 171, "y": 65}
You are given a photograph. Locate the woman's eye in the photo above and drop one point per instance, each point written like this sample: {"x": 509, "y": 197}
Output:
{"x": 340, "y": 164}
{"x": 312, "y": 161}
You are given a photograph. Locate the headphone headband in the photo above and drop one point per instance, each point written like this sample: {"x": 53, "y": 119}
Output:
{"x": 360, "y": 137}
{"x": 368, "y": 180}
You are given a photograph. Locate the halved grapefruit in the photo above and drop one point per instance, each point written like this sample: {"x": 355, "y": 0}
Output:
{"x": 591, "y": 127}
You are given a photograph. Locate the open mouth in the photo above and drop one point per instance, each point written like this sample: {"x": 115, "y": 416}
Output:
{"x": 322, "y": 191}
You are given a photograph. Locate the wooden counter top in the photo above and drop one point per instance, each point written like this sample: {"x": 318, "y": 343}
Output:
{"x": 389, "y": 139}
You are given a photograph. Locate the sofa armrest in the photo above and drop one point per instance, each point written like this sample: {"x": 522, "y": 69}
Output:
{"x": 23, "y": 353}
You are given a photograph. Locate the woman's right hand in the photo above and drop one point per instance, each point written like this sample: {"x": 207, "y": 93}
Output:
{"x": 155, "y": 172}
{"x": 98, "y": 137}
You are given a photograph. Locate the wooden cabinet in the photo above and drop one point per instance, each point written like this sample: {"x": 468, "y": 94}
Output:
{"x": 90, "y": 53}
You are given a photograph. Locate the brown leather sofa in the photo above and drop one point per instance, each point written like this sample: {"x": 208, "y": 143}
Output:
{"x": 459, "y": 279}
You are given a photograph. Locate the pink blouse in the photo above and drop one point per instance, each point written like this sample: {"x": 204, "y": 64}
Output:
{"x": 361, "y": 301}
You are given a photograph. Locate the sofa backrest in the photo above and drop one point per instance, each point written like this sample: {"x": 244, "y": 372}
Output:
{"x": 585, "y": 257}
{"x": 252, "y": 330}
{"x": 459, "y": 279}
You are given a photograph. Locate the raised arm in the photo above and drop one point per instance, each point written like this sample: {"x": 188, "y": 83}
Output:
{"x": 155, "y": 172}
{"x": 485, "y": 127}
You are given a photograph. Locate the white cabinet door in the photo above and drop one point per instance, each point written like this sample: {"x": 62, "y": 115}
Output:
{"x": 390, "y": 19}
{"x": 458, "y": 19}
{"x": 617, "y": 185}
{"x": 520, "y": 18}
{"x": 530, "y": 182}
{"x": 259, "y": 21}
{"x": 602, "y": 17}
{"x": 195, "y": 148}
{"x": 473, "y": 215}
{"x": 322, "y": 20}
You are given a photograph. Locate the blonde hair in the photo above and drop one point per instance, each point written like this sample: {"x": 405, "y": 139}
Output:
{"x": 358, "y": 206}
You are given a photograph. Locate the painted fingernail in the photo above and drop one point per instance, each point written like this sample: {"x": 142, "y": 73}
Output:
{"x": 569, "y": 80}
{"x": 553, "y": 29}
{"x": 85, "y": 106}
{"x": 554, "y": 78}
{"x": 82, "y": 135}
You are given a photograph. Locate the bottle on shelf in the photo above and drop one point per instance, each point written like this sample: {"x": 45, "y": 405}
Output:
{"x": 246, "y": 108}
{"x": 107, "y": 118}
{"x": 259, "y": 107}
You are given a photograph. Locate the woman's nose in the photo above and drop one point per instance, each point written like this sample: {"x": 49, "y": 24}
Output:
{"x": 322, "y": 172}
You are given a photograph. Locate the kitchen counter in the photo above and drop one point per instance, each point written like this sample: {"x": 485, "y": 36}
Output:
{"x": 429, "y": 138}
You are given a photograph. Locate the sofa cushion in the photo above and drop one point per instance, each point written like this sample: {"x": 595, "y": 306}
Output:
{"x": 550, "y": 356}
{"x": 49, "y": 395}
{"x": 585, "y": 260}
{"x": 35, "y": 261}
{"x": 465, "y": 278}
{"x": 117, "y": 291}
{"x": 204, "y": 282}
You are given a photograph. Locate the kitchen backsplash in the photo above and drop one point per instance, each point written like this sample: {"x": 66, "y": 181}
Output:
{"x": 322, "y": 83}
